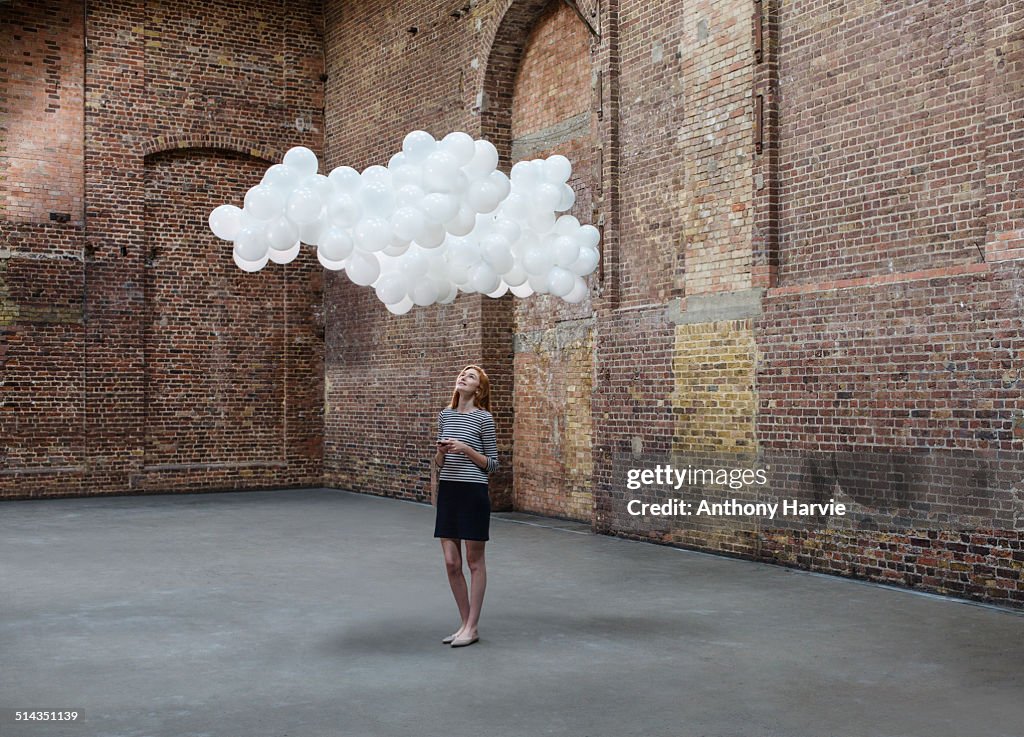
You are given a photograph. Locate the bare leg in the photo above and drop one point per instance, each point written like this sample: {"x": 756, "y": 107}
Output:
{"x": 453, "y": 565}
{"x": 478, "y": 573}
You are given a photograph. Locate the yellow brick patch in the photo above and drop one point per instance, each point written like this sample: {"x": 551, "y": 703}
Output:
{"x": 714, "y": 401}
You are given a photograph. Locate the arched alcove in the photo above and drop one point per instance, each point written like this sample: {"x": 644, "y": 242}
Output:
{"x": 538, "y": 89}
{"x": 214, "y": 336}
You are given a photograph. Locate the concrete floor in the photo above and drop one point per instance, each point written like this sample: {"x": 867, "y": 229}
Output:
{"x": 316, "y": 613}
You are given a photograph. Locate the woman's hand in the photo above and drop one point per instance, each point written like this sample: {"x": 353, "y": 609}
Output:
{"x": 454, "y": 446}
{"x": 458, "y": 447}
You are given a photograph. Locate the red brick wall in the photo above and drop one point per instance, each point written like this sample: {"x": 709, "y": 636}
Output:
{"x": 814, "y": 305}
{"x": 843, "y": 306}
{"x": 553, "y": 79}
{"x": 892, "y": 344}
{"x": 551, "y": 112}
{"x": 685, "y": 87}
{"x": 388, "y": 376}
{"x": 882, "y": 157}
{"x": 42, "y": 58}
{"x": 135, "y": 356}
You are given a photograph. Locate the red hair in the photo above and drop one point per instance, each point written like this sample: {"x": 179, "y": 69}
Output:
{"x": 482, "y": 398}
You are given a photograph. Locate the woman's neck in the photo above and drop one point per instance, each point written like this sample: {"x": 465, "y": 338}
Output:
{"x": 466, "y": 404}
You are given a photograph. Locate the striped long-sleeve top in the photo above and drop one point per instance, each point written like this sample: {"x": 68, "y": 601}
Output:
{"x": 475, "y": 429}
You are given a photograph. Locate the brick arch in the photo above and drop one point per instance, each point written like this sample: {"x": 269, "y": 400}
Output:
{"x": 163, "y": 144}
{"x": 504, "y": 55}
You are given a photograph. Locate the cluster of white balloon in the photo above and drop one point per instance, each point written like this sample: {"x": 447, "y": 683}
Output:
{"x": 438, "y": 219}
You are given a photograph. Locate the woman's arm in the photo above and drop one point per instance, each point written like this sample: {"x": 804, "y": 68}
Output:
{"x": 490, "y": 461}
{"x": 441, "y": 450}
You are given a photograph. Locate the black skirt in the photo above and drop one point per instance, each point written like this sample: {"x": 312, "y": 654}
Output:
{"x": 463, "y": 511}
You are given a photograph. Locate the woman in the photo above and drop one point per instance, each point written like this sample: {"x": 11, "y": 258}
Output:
{"x": 466, "y": 453}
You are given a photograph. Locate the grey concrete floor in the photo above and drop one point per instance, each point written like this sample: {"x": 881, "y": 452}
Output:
{"x": 314, "y": 613}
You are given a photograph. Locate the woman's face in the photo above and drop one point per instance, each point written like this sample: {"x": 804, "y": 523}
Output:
{"x": 468, "y": 382}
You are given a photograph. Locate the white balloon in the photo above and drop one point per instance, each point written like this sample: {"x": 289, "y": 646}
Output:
{"x": 497, "y": 251}
{"x": 463, "y": 252}
{"x": 319, "y": 184}
{"x": 546, "y": 196}
{"x": 282, "y": 178}
{"x": 538, "y": 261}
{"x": 499, "y": 292}
{"x": 484, "y": 161}
{"x": 463, "y": 222}
{"x": 566, "y": 225}
{"x": 409, "y": 195}
{"x": 588, "y": 236}
{"x": 568, "y": 199}
{"x": 250, "y": 266}
{"x": 539, "y": 283}
{"x": 483, "y": 278}
{"x": 440, "y": 208}
{"x": 560, "y": 281}
{"x": 508, "y": 228}
{"x": 396, "y": 249}
{"x": 251, "y": 243}
{"x": 439, "y": 172}
{"x": 344, "y": 209}
{"x": 414, "y": 265}
{"x": 579, "y": 292}
{"x": 458, "y": 273}
{"x": 391, "y": 288}
{"x": 541, "y": 221}
{"x": 226, "y": 221}
{"x": 407, "y": 222}
{"x": 501, "y": 182}
{"x": 310, "y": 232}
{"x": 451, "y": 292}
{"x": 521, "y": 290}
{"x": 523, "y": 175}
{"x": 424, "y": 292}
{"x": 586, "y": 263}
{"x": 407, "y": 174}
{"x": 345, "y": 179}
{"x": 515, "y": 206}
{"x": 401, "y": 307}
{"x": 566, "y": 250}
{"x": 557, "y": 169}
{"x": 515, "y": 276}
{"x": 304, "y": 205}
{"x": 264, "y": 202}
{"x": 396, "y": 161}
{"x": 461, "y": 183}
{"x": 377, "y": 198}
{"x": 376, "y": 174}
{"x": 282, "y": 233}
{"x": 302, "y": 160}
{"x": 417, "y": 146}
{"x": 335, "y": 244}
{"x": 483, "y": 196}
{"x": 285, "y": 256}
{"x": 328, "y": 264}
{"x": 432, "y": 235}
{"x": 460, "y": 146}
{"x": 484, "y": 225}
{"x": 372, "y": 234}
{"x": 362, "y": 268}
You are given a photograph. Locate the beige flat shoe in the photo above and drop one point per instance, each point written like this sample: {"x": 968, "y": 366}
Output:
{"x": 448, "y": 640}
{"x": 463, "y": 641}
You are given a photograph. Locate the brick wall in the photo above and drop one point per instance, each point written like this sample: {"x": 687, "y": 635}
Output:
{"x": 552, "y": 112}
{"x": 391, "y": 70}
{"x": 841, "y": 305}
{"x": 42, "y": 58}
{"x": 882, "y": 157}
{"x": 135, "y": 356}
